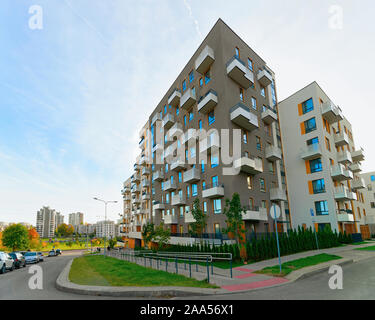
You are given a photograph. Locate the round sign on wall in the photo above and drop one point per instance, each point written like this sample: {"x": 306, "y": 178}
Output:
{"x": 275, "y": 209}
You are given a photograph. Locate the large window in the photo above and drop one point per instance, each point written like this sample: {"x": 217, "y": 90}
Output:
{"x": 312, "y": 141}
{"x": 254, "y": 103}
{"x": 215, "y": 181}
{"x": 194, "y": 190}
{"x": 262, "y": 184}
{"x": 307, "y": 106}
{"x": 250, "y": 64}
{"x": 207, "y": 77}
{"x": 318, "y": 186}
{"x": 217, "y": 206}
{"x": 191, "y": 76}
{"x": 316, "y": 165}
{"x": 211, "y": 117}
{"x": 214, "y": 160}
{"x": 183, "y": 85}
{"x": 310, "y": 125}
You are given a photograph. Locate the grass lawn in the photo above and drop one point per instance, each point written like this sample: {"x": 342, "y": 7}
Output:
{"x": 370, "y": 248}
{"x": 290, "y": 266}
{"x": 107, "y": 271}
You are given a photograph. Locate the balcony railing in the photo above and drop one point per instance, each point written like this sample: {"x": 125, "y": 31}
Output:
{"x": 207, "y": 102}
{"x": 243, "y": 117}
{"x": 237, "y": 70}
{"x": 215, "y": 190}
{"x": 249, "y": 165}
{"x": 311, "y": 152}
{"x": 264, "y": 77}
{"x": 205, "y": 59}
{"x": 174, "y": 98}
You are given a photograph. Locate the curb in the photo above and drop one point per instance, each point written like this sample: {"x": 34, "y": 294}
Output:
{"x": 64, "y": 284}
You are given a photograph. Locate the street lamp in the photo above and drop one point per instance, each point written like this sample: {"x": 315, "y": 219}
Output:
{"x": 105, "y": 219}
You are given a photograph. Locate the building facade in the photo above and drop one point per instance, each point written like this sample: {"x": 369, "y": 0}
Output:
{"x": 322, "y": 163}
{"x": 76, "y": 219}
{"x": 46, "y": 222}
{"x": 105, "y": 229}
{"x": 369, "y": 194}
{"x": 215, "y": 132}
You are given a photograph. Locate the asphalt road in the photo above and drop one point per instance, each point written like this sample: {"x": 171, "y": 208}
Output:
{"x": 359, "y": 283}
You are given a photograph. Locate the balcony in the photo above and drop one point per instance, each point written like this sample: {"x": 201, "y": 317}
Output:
{"x": 255, "y": 213}
{"x": 141, "y": 211}
{"x": 174, "y": 98}
{"x": 210, "y": 144}
{"x": 142, "y": 143}
{"x": 135, "y": 178}
{"x": 190, "y": 136}
{"x": 144, "y": 161}
{"x": 192, "y": 175}
{"x": 175, "y": 131}
{"x": 178, "y": 200}
{"x": 358, "y": 155}
{"x": 158, "y": 176}
{"x": 273, "y": 153}
{"x": 207, "y": 102}
{"x": 249, "y": 165}
{"x": 345, "y": 216}
{"x": 158, "y": 206}
{"x": 339, "y": 173}
{"x": 168, "y": 121}
{"x": 145, "y": 183}
{"x": 268, "y": 115}
{"x": 344, "y": 157}
{"x": 170, "y": 219}
{"x": 156, "y": 117}
{"x": 136, "y": 189}
{"x": 127, "y": 197}
{"x": 145, "y": 171}
{"x": 188, "y": 99}
{"x": 125, "y": 190}
{"x": 158, "y": 148}
{"x": 355, "y": 167}
{"x": 170, "y": 151}
{"x": 205, "y": 59}
{"x": 358, "y": 183}
{"x": 341, "y": 139}
{"x": 189, "y": 218}
{"x": 168, "y": 186}
{"x": 241, "y": 116}
{"x": 237, "y": 71}
{"x": 311, "y": 152}
{"x": 331, "y": 113}
{"x": 178, "y": 165}
{"x": 264, "y": 77}
{"x": 136, "y": 200}
{"x": 137, "y": 167}
{"x": 278, "y": 194}
{"x": 343, "y": 193}
{"x": 213, "y": 191}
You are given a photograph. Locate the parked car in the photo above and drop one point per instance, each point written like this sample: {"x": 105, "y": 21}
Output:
{"x": 52, "y": 253}
{"x": 58, "y": 252}
{"x": 6, "y": 262}
{"x": 19, "y": 259}
{"x": 31, "y": 257}
{"x": 41, "y": 256}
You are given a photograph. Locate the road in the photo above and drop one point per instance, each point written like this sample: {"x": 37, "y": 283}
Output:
{"x": 359, "y": 283}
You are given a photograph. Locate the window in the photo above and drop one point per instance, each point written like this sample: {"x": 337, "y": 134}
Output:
{"x": 244, "y": 135}
{"x": 200, "y": 125}
{"x": 241, "y": 94}
{"x": 372, "y": 178}
{"x": 181, "y": 211}
{"x": 177, "y": 111}
{"x": 211, "y": 117}
{"x": 180, "y": 176}
{"x": 201, "y": 82}
{"x": 310, "y": 125}
{"x": 217, "y": 206}
{"x": 307, "y": 106}
{"x": 183, "y": 86}
{"x": 192, "y": 152}
{"x": 203, "y": 185}
{"x": 207, "y": 77}
{"x": 191, "y": 76}
{"x": 204, "y": 207}
{"x": 187, "y": 192}
{"x": 312, "y": 141}
{"x": 321, "y": 208}
{"x": 254, "y": 103}
{"x": 167, "y": 198}
{"x": 328, "y": 145}
{"x": 202, "y": 166}
{"x": 166, "y": 168}
{"x": 258, "y": 143}
{"x": 214, "y": 160}
{"x": 250, "y": 64}
{"x": 262, "y": 185}
{"x": 165, "y": 109}
{"x": 194, "y": 190}
{"x": 217, "y": 228}
{"x": 318, "y": 186}
{"x": 316, "y": 165}
{"x": 191, "y": 115}
{"x": 215, "y": 181}
{"x": 237, "y": 52}
{"x": 263, "y": 92}
{"x": 185, "y": 122}
{"x": 249, "y": 182}
{"x": 171, "y": 179}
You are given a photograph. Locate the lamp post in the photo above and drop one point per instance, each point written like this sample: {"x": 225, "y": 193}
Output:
{"x": 105, "y": 218}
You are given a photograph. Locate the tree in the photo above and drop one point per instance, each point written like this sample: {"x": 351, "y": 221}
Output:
{"x": 161, "y": 236}
{"x": 33, "y": 238}
{"x": 64, "y": 230}
{"x": 112, "y": 243}
{"x": 16, "y": 236}
{"x": 235, "y": 226}
{"x": 148, "y": 233}
{"x": 200, "y": 218}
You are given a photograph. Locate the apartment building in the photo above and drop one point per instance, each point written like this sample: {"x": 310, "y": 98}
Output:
{"x": 46, "y": 222}
{"x": 369, "y": 195}
{"x": 185, "y": 153}
{"x": 105, "y": 228}
{"x": 59, "y": 219}
{"x": 322, "y": 163}
{"x": 76, "y": 219}
{"x": 127, "y": 208}
{"x": 86, "y": 229}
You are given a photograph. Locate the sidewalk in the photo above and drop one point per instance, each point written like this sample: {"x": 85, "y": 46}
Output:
{"x": 243, "y": 279}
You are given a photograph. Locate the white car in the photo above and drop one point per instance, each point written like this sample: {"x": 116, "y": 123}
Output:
{"x": 6, "y": 262}
{"x": 31, "y": 257}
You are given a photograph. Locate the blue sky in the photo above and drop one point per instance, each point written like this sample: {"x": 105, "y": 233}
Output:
{"x": 75, "y": 94}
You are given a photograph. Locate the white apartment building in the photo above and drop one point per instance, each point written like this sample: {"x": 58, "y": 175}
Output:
{"x": 76, "y": 219}
{"x": 46, "y": 222}
{"x": 105, "y": 229}
{"x": 322, "y": 163}
{"x": 369, "y": 194}
{"x": 86, "y": 229}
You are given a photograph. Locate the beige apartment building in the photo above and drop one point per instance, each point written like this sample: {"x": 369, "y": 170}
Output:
{"x": 322, "y": 163}
{"x": 369, "y": 194}
{"x": 215, "y": 132}
{"x": 46, "y": 222}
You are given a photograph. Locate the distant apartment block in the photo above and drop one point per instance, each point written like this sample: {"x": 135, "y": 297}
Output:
{"x": 86, "y": 229}
{"x": 224, "y": 86}
{"x": 46, "y": 222}
{"x": 105, "y": 229}
{"x": 76, "y": 219}
{"x": 369, "y": 195}
{"x": 322, "y": 163}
